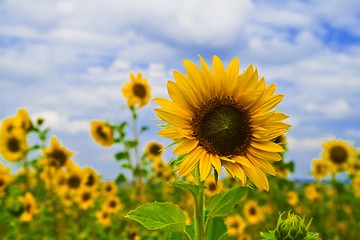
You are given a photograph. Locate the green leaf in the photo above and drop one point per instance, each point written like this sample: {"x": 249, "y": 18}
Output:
{"x": 217, "y": 228}
{"x": 144, "y": 128}
{"x": 192, "y": 188}
{"x": 121, "y": 156}
{"x": 156, "y": 216}
{"x": 131, "y": 143}
{"x": 190, "y": 229}
{"x": 120, "y": 178}
{"x": 177, "y": 236}
{"x": 221, "y": 204}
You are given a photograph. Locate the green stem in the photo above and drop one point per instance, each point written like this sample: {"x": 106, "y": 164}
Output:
{"x": 207, "y": 225}
{"x": 136, "y": 139}
{"x": 187, "y": 235}
{"x": 199, "y": 209}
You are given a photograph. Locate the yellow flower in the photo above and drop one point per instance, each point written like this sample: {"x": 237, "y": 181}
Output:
{"x": 108, "y": 189}
{"x": 102, "y": 133}
{"x": 244, "y": 237}
{"x": 354, "y": 165}
{"x": 281, "y": 140}
{"x": 319, "y": 169}
{"x": 312, "y": 193}
{"x": 281, "y": 170}
{"x": 161, "y": 169}
{"x": 356, "y": 185}
{"x": 152, "y": 150}
{"x": 338, "y": 154}
{"x": 235, "y": 225}
{"x": 85, "y": 197}
{"x": 91, "y": 177}
{"x": 223, "y": 118}
{"x": 292, "y": 198}
{"x": 23, "y": 119}
{"x": 74, "y": 179}
{"x": 5, "y": 179}
{"x": 30, "y": 207}
{"x": 103, "y": 217}
{"x": 13, "y": 145}
{"x": 112, "y": 204}
{"x": 57, "y": 155}
{"x": 213, "y": 188}
{"x": 137, "y": 91}
{"x": 252, "y": 212}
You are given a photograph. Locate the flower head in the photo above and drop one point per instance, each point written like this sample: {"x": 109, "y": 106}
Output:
{"x": 338, "y": 154}
{"x": 223, "y": 118}
{"x": 57, "y": 156}
{"x": 102, "y": 133}
{"x": 319, "y": 169}
{"x": 13, "y": 145}
{"x": 30, "y": 207}
{"x": 137, "y": 91}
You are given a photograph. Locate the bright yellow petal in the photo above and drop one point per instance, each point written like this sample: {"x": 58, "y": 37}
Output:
{"x": 205, "y": 167}
{"x": 215, "y": 161}
{"x": 185, "y": 146}
{"x": 268, "y": 146}
{"x": 190, "y": 162}
{"x": 170, "y": 132}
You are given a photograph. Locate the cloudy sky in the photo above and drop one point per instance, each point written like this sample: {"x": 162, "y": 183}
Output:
{"x": 67, "y": 61}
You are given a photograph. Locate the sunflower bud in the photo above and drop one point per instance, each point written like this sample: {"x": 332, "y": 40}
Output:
{"x": 292, "y": 228}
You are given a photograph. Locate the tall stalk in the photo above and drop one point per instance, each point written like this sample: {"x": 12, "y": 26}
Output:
{"x": 199, "y": 208}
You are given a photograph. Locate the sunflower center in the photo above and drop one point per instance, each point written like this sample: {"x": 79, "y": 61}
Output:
{"x": 252, "y": 211}
{"x": 222, "y": 127}
{"x": 105, "y": 215}
{"x": 2, "y": 182}
{"x": 155, "y": 149}
{"x": 86, "y": 197}
{"x": 74, "y": 182}
{"x": 320, "y": 168}
{"x": 235, "y": 225}
{"x": 13, "y": 144}
{"x": 59, "y": 157}
{"x": 112, "y": 204}
{"x": 108, "y": 188}
{"x": 90, "y": 180}
{"x": 338, "y": 154}
{"x": 212, "y": 187}
{"x": 27, "y": 207}
{"x": 139, "y": 90}
{"x": 101, "y": 133}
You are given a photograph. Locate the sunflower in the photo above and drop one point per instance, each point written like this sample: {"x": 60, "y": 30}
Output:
{"x": 91, "y": 177}
{"x": 85, "y": 197}
{"x": 103, "y": 217}
{"x": 252, "y": 212}
{"x": 312, "y": 193}
{"x": 153, "y": 150}
{"x": 132, "y": 234}
{"x": 356, "y": 185}
{"x": 244, "y": 237}
{"x": 212, "y": 187}
{"x": 5, "y": 180}
{"x": 23, "y": 120}
{"x": 8, "y": 125}
{"x": 161, "y": 169}
{"x": 292, "y": 198}
{"x": 108, "y": 189}
{"x": 223, "y": 118}
{"x": 102, "y": 133}
{"x": 57, "y": 155}
{"x": 75, "y": 179}
{"x": 281, "y": 140}
{"x": 13, "y": 145}
{"x": 60, "y": 182}
{"x": 137, "y": 91}
{"x": 235, "y": 225}
{"x": 319, "y": 169}
{"x": 338, "y": 154}
{"x": 30, "y": 207}
{"x": 112, "y": 204}
{"x": 281, "y": 170}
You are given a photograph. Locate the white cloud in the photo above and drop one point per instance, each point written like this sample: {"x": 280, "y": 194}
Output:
{"x": 353, "y": 133}
{"x": 61, "y": 123}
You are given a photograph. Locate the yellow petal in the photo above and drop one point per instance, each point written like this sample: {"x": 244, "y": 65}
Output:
{"x": 170, "y": 106}
{"x": 172, "y": 118}
{"x": 187, "y": 86}
{"x": 215, "y": 161}
{"x": 185, "y": 146}
{"x": 271, "y": 156}
{"x": 268, "y": 146}
{"x": 205, "y": 167}
{"x": 170, "y": 132}
{"x": 262, "y": 164}
{"x": 190, "y": 162}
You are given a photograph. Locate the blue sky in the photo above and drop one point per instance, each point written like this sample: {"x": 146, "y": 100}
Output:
{"x": 67, "y": 61}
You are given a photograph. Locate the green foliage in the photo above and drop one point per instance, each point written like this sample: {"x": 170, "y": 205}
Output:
{"x": 121, "y": 155}
{"x": 159, "y": 216}
{"x": 192, "y": 188}
{"x": 221, "y": 204}
{"x": 217, "y": 228}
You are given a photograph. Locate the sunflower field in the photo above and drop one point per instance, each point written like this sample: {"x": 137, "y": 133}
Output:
{"x": 229, "y": 179}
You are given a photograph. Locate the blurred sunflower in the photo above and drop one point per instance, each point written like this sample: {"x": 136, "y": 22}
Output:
{"x": 252, "y": 212}
{"x": 312, "y": 193}
{"x": 13, "y": 145}
{"x": 213, "y": 188}
{"x": 292, "y": 198}
{"x": 153, "y": 150}
{"x": 91, "y": 177}
{"x": 8, "y": 124}
{"x": 244, "y": 237}
{"x": 223, "y": 118}
{"x": 137, "y": 91}
{"x": 23, "y": 120}
{"x": 75, "y": 179}
{"x": 161, "y": 169}
{"x": 85, "y": 197}
{"x": 60, "y": 182}
{"x": 356, "y": 185}
{"x": 103, "y": 217}
{"x": 112, "y": 204}
{"x": 338, "y": 154}
{"x": 319, "y": 169}
{"x": 235, "y": 225}
{"x": 5, "y": 179}
{"x": 132, "y": 233}
{"x": 102, "y": 133}
{"x": 56, "y": 156}
{"x": 281, "y": 140}
{"x": 30, "y": 207}
{"x": 108, "y": 189}
{"x": 354, "y": 165}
